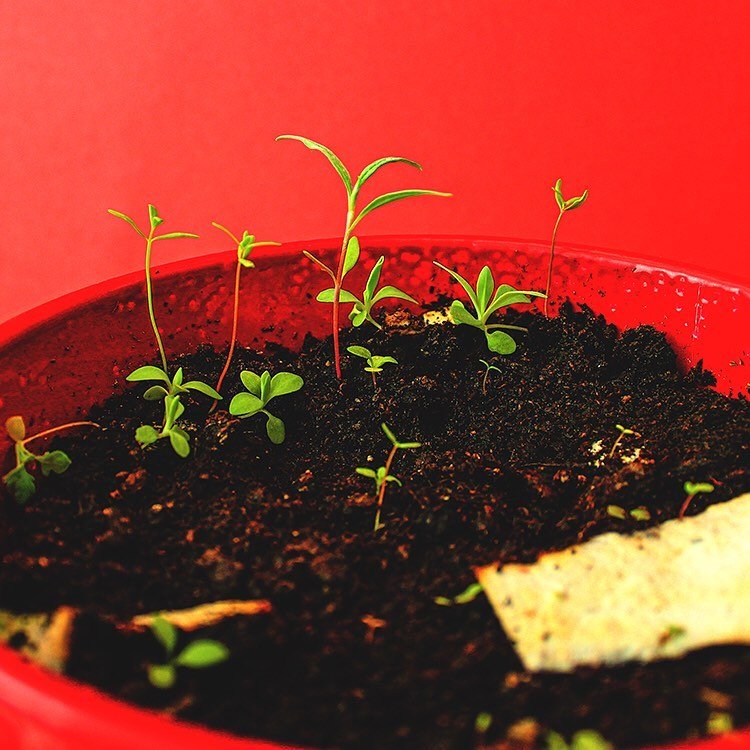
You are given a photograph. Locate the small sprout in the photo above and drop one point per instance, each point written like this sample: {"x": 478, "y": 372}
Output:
{"x": 623, "y": 432}
{"x": 362, "y": 310}
{"x": 172, "y": 392}
{"x": 616, "y": 511}
{"x": 564, "y": 206}
{"x": 487, "y": 368}
{"x": 349, "y": 254}
{"x": 719, "y": 722}
{"x": 584, "y": 739}
{"x": 374, "y": 362}
{"x": 383, "y": 475}
{"x": 483, "y": 722}
{"x": 671, "y": 634}
{"x": 641, "y": 514}
{"x": 486, "y": 304}
{"x": 244, "y": 247}
{"x": 19, "y": 480}
{"x": 468, "y": 595}
{"x": 261, "y": 389}
{"x": 691, "y": 490}
{"x": 196, "y": 655}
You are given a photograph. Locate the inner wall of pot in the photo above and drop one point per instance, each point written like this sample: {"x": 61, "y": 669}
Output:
{"x": 69, "y": 359}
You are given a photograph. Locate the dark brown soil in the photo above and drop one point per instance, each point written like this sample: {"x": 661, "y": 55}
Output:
{"x": 501, "y": 476}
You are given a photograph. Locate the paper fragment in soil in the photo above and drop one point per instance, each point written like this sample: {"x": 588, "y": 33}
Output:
{"x": 658, "y": 593}
{"x": 206, "y": 614}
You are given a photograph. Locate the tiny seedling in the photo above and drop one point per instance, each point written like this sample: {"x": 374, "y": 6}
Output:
{"x": 671, "y": 634}
{"x": 623, "y": 432}
{"x": 584, "y": 739}
{"x": 154, "y": 221}
{"x": 244, "y": 247}
{"x": 564, "y": 206}
{"x": 362, "y": 310}
{"x": 485, "y": 304}
{"x": 19, "y": 480}
{"x": 468, "y": 595}
{"x": 719, "y": 722}
{"x": 261, "y": 389}
{"x": 691, "y": 490}
{"x": 172, "y": 392}
{"x": 349, "y": 254}
{"x": 196, "y": 655}
{"x": 487, "y": 368}
{"x": 374, "y": 362}
{"x": 639, "y": 514}
{"x": 382, "y": 475}
{"x": 482, "y": 723}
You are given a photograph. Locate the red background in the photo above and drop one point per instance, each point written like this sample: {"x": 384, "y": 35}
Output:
{"x": 177, "y": 102}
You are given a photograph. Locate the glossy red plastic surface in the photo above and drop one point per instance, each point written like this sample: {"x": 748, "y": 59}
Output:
{"x": 59, "y": 359}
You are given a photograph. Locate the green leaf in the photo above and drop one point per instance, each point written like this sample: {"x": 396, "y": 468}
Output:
{"x": 153, "y": 216}
{"x": 470, "y": 593}
{"x": 20, "y": 483}
{"x": 162, "y": 676}
{"x": 275, "y": 430}
{"x": 556, "y": 741}
{"x": 358, "y": 317}
{"x": 557, "y": 189}
{"x": 641, "y": 514}
{"x": 359, "y": 351}
{"x": 396, "y": 480}
{"x": 392, "y": 292}
{"x": 409, "y": 446}
{"x": 251, "y": 381}
{"x": 485, "y": 287}
{"x": 384, "y": 200}
{"x": 149, "y": 372}
{"x": 54, "y": 461}
{"x": 463, "y": 282}
{"x": 179, "y": 443}
{"x": 373, "y": 167}
{"x": 389, "y": 433}
{"x": 176, "y": 236}
{"x": 576, "y": 202}
{"x": 345, "y": 297}
{"x": 165, "y": 633}
{"x": 15, "y": 428}
{"x": 697, "y": 488}
{"x": 352, "y": 255}
{"x": 206, "y": 390}
{"x": 378, "y": 361}
{"x": 320, "y": 264}
{"x": 589, "y": 739}
{"x": 284, "y": 383}
{"x": 245, "y": 405}
{"x": 500, "y": 342}
{"x": 335, "y": 161}
{"x": 174, "y": 408}
{"x": 483, "y": 722}
{"x": 202, "y": 653}
{"x": 365, "y": 472}
{"x": 616, "y": 511}
{"x": 265, "y": 382}
{"x": 460, "y": 314}
{"x": 126, "y": 218}
{"x": 245, "y": 263}
{"x": 178, "y": 377}
{"x": 511, "y": 297}
{"x": 373, "y": 279}
{"x": 146, "y": 435}
{"x": 155, "y": 393}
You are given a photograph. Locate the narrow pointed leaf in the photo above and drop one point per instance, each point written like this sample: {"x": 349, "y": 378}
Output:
{"x": 392, "y": 292}
{"x": 245, "y": 405}
{"x": 165, "y": 633}
{"x": 388, "y": 433}
{"x": 283, "y": 383}
{"x": 335, "y": 161}
{"x": 203, "y": 653}
{"x": 373, "y": 279}
{"x": 265, "y": 382}
{"x": 126, "y": 218}
{"x": 197, "y": 385}
{"x": 320, "y": 264}
{"x": 373, "y": 167}
{"x": 352, "y": 255}
{"x": 463, "y": 282}
{"x": 557, "y": 189}
{"x": 369, "y": 473}
{"x": 384, "y": 200}
{"x": 154, "y": 217}
{"x": 345, "y": 297}
{"x": 485, "y": 287}
{"x": 176, "y": 236}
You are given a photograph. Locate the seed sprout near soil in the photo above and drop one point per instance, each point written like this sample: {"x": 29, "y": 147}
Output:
{"x": 19, "y": 480}
{"x": 691, "y": 490}
{"x": 487, "y": 368}
{"x": 623, "y": 431}
{"x": 374, "y": 363}
{"x": 350, "y": 250}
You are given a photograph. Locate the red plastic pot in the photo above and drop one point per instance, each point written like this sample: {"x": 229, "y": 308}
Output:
{"x": 59, "y": 359}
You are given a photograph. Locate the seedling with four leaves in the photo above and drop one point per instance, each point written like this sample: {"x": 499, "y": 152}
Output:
{"x": 374, "y": 362}
{"x": 262, "y": 389}
{"x": 19, "y": 480}
{"x": 349, "y": 253}
{"x": 197, "y": 654}
{"x": 382, "y": 475}
{"x": 486, "y": 301}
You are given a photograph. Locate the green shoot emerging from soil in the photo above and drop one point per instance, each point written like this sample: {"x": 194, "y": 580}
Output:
{"x": 691, "y": 490}
{"x": 383, "y": 475}
{"x": 564, "y": 206}
{"x": 374, "y": 362}
{"x": 349, "y": 245}
{"x": 19, "y": 480}
{"x": 486, "y": 301}
{"x": 487, "y": 368}
{"x": 171, "y": 391}
{"x": 468, "y": 595}
{"x": 154, "y": 221}
{"x": 584, "y": 739}
{"x": 263, "y": 388}
{"x": 623, "y": 432}
{"x": 371, "y": 295}
{"x": 196, "y": 655}
{"x": 244, "y": 247}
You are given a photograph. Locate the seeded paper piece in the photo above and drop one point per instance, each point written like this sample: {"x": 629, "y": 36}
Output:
{"x": 206, "y": 614}
{"x": 658, "y": 593}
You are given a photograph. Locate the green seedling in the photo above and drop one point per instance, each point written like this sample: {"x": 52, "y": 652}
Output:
{"x": 244, "y": 247}
{"x": 719, "y": 722}
{"x": 564, "y": 206}
{"x": 362, "y": 310}
{"x": 691, "y": 490}
{"x": 482, "y": 723}
{"x": 584, "y": 739}
{"x": 349, "y": 254}
{"x": 19, "y": 480}
{"x": 262, "y": 389}
{"x": 487, "y": 301}
{"x": 468, "y": 595}
{"x": 623, "y": 432}
{"x": 487, "y": 368}
{"x": 374, "y": 362}
{"x": 196, "y": 655}
{"x": 382, "y": 475}
{"x": 671, "y": 634}
{"x": 154, "y": 221}
{"x": 171, "y": 392}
